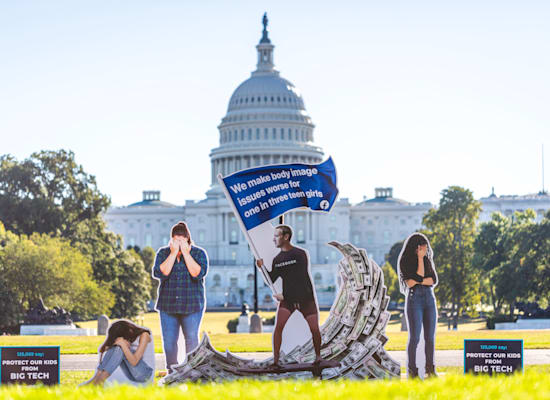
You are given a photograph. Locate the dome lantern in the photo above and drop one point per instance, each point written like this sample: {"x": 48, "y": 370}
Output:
{"x": 265, "y": 52}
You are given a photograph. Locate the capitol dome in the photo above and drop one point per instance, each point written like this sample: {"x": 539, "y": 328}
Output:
{"x": 266, "y": 90}
{"x": 266, "y": 122}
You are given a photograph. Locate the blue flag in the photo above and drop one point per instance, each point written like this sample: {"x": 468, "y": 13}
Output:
{"x": 263, "y": 193}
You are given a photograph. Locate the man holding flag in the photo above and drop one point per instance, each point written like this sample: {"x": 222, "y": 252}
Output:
{"x": 291, "y": 264}
{"x": 259, "y": 195}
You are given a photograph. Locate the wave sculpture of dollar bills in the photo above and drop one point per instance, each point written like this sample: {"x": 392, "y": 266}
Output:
{"x": 353, "y": 334}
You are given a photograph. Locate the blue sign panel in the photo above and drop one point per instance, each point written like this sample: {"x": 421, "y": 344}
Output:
{"x": 29, "y": 365}
{"x": 493, "y": 356}
{"x": 263, "y": 193}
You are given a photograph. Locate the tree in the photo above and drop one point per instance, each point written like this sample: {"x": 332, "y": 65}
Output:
{"x": 50, "y": 193}
{"x": 490, "y": 253}
{"x": 539, "y": 257}
{"x": 120, "y": 270}
{"x": 452, "y": 230}
{"x": 12, "y": 311}
{"x": 46, "y": 267}
{"x": 47, "y": 193}
{"x": 521, "y": 271}
{"x": 504, "y": 252}
{"x": 393, "y": 255}
{"x": 148, "y": 257}
{"x": 132, "y": 286}
{"x": 391, "y": 281}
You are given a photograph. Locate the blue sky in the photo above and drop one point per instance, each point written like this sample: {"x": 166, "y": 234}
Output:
{"x": 417, "y": 95}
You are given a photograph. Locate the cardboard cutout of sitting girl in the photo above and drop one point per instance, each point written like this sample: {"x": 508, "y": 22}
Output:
{"x": 125, "y": 355}
{"x": 417, "y": 279}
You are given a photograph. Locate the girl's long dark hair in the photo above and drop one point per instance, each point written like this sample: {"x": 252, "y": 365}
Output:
{"x": 124, "y": 329}
{"x": 409, "y": 257}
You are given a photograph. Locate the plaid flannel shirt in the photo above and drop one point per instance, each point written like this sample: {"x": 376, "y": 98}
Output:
{"x": 179, "y": 292}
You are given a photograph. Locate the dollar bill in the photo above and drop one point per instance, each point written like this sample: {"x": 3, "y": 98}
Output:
{"x": 330, "y": 373}
{"x": 346, "y": 272}
{"x": 378, "y": 295}
{"x": 333, "y": 350}
{"x": 357, "y": 276}
{"x": 357, "y": 352}
{"x": 199, "y": 357}
{"x": 372, "y": 345}
{"x": 348, "y": 317}
{"x": 343, "y": 334}
{"x": 377, "y": 273}
{"x": 363, "y": 372}
{"x": 376, "y": 369}
{"x": 355, "y": 253}
{"x": 359, "y": 326}
{"x": 307, "y": 357}
{"x": 371, "y": 321}
{"x": 237, "y": 361}
{"x": 388, "y": 363}
{"x": 307, "y": 347}
{"x": 340, "y": 302}
{"x": 291, "y": 356}
{"x": 350, "y": 375}
{"x": 382, "y": 321}
{"x": 330, "y": 331}
{"x": 368, "y": 274}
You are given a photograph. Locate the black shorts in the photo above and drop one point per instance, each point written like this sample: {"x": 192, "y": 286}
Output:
{"x": 307, "y": 307}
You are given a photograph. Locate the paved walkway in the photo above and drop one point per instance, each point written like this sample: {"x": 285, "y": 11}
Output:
{"x": 443, "y": 358}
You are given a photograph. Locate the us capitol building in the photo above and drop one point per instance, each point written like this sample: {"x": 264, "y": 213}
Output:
{"x": 267, "y": 123}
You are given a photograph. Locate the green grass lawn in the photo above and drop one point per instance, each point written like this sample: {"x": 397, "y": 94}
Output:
{"x": 533, "y": 384}
{"x": 215, "y": 325}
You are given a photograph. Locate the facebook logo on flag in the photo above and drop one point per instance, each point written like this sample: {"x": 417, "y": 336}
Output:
{"x": 263, "y": 193}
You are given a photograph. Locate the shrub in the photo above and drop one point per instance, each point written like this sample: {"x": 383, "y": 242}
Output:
{"x": 232, "y": 325}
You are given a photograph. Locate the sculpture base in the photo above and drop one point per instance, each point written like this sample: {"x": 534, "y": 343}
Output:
{"x": 56, "y": 330}
{"x": 524, "y": 324}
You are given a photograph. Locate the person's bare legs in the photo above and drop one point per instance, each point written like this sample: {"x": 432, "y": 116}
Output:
{"x": 98, "y": 379}
{"x": 282, "y": 317}
{"x": 313, "y": 322}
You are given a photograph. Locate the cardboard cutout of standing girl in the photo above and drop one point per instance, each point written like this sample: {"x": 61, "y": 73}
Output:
{"x": 417, "y": 279}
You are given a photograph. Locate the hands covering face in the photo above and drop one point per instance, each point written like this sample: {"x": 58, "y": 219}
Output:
{"x": 178, "y": 244}
{"x": 174, "y": 245}
{"x": 185, "y": 246}
{"x": 422, "y": 250}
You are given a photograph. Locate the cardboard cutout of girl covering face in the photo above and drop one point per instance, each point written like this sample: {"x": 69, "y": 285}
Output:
{"x": 409, "y": 293}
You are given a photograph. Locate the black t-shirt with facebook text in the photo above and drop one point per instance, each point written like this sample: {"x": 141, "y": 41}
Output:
{"x": 291, "y": 266}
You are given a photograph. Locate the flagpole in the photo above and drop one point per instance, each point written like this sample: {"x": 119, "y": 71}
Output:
{"x": 245, "y": 231}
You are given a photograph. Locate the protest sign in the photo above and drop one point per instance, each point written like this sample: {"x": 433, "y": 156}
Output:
{"x": 493, "y": 356}
{"x": 29, "y": 365}
{"x": 263, "y": 193}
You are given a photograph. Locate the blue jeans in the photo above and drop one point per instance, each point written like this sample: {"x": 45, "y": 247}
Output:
{"x": 114, "y": 357}
{"x": 421, "y": 311}
{"x": 171, "y": 324}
